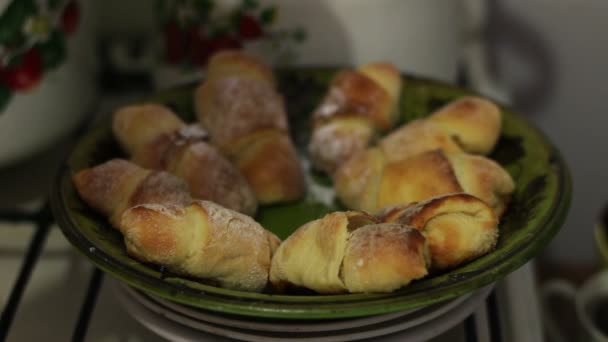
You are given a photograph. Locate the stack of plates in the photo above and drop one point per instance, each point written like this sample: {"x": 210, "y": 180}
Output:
{"x": 179, "y": 322}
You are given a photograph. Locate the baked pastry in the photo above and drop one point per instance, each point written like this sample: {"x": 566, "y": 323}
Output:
{"x": 157, "y": 139}
{"x": 437, "y": 205}
{"x": 350, "y": 252}
{"x": 202, "y": 240}
{"x": 469, "y": 124}
{"x": 416, "y": 137}
{"x": 162, "y": 224}
{"x": 473, "y": 122}
{"x": 458, "y": 227}
{"x": 370, "y": 181}
{"x": 229, "y": 63}
{"x": 358, "y": 105}
{"x": 246, "y": 120}
{"x": 116, "y": 185}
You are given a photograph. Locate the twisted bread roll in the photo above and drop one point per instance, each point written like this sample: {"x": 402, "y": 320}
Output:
{"x": 458, "y": 227}
{"x": 229, "y": 63}
{"x": 202, "y": 240}
{"x": 350, "y": 251}
{"x": 370, "y": 181}
{"x": 246, "y": 120}
{"x": 359, "y": 104}
{"x": 473, "y": 122}
{"x": 157, "y": 139}
{"x": 470, "y": 124}
{"x": 162, "y": 224}
{"x": 116, "y": 185}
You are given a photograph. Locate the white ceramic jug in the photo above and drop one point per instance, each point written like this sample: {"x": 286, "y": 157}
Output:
{"x": 46, "y": 76}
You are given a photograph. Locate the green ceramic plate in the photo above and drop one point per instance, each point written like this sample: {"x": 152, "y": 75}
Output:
{"x": 536, "y": 213}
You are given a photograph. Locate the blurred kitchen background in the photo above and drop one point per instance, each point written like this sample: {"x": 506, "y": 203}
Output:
{"x": 547, "y": 58}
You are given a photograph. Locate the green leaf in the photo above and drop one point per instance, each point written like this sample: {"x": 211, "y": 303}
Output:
{"x": 54, "y": 4}
{"x": 13, "y": 19}
{"x": 203, "y": 7}
{"x": 53, "y": 51}
{"x": 235, "y": 18}
{"x": 5, "y": 97}
{"x": 268, "y": 15}
{"x": 250, "y": 4}
{"x": 299, "y": 35}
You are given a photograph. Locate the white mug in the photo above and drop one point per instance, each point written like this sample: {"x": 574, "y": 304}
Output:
{"x": 590, "y": 302}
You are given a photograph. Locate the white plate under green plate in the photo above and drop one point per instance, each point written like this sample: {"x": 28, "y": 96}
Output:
{"x": 536, "y": 213}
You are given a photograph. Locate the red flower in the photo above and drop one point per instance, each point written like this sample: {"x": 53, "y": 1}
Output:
{"x": 249, "y": 28}
{"x": 224, "y": 42}
{"x": 175, "y": 43}
{"x": 70, "y": 17}
{"x": 200, "y": 47}
{"x": 25, "y": 75}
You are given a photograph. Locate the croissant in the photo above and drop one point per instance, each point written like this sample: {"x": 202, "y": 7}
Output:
{"x": 470, "y": 124}
{"x": 202, "y": 240}
{"x": 157, "y": 139}
{"x": 162, "y": 224}
{"x": 370, "y": 181}
{"x": 350, "y": 252}
{"x": 246, "y": 120}
{"x": 458, "y": 227}
{"x": 116, "y": 185}
{"x": 228, "y": 63}
{"x": 358, "y": 105}
{"x": 473, "y": 122}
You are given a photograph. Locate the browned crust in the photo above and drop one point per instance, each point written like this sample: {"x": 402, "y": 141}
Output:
{"x": 202, "y": 240}
{"x": 213, "y": 177}
{"x": 160, "y": 188}
{"x": 337, "y": 141}
{"x": 136, "y": 126}
{"x": 272, "y": 168}
{"x": 358, "y": 180}
{"x": 108, "y": 186}
{"x": 384, "y": 257}
{"x": 416, "y": 137}
{"x": 474, "y": 122}
{"x": 485, "y": 179}
{"x": 468, "y": 204}
{"x": 351, "y": 93}
{"x": 319, "y": 243}
{"x": 459, "y": 227}
{"x": 232, "y": 108}
{"x": 150, "y": 235}
{"x": 228, "y": 63}
{"x": 416, "y": 179}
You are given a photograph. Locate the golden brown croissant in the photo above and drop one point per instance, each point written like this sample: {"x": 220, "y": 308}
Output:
{"x": 414, "y": 138}
{"x": 469, "y": 124}
{"x": 350, "y": 251}
{"x": 202, "y": 240}
{"x": 156, "y": 138}
{"x": 358, "y": 105}
{"x": 162, "y": 224}
{"x": 474, "y": 123}
{"x": 116, "y": 185}
{"x": 228, "y": 63}
{"x": 246, "y": 120}
{"x": 370, "y": 182}
{"x": 458, "y": 227}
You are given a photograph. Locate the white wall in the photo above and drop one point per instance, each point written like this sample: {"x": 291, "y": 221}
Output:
{"x": 568, "y": 39}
